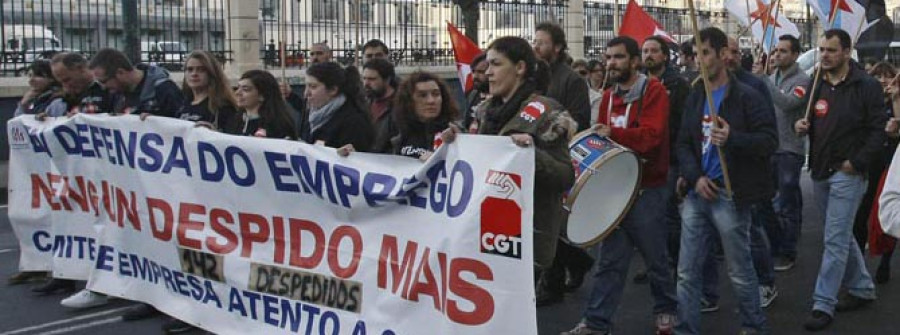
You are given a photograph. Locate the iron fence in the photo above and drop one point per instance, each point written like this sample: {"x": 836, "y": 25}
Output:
{"x": 33, "y": 29}
{"x": 414, "y": 31}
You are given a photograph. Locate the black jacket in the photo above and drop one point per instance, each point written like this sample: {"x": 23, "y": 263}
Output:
{"x": 678, "y": 89}
{"x": 570, "y": 90}
{"x": 853, "y": 128}
{"x": 348, "y": 126}
{"x": 752, "y": 140}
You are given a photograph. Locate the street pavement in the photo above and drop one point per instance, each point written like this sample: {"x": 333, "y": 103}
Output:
{"x": 24, "y": 313}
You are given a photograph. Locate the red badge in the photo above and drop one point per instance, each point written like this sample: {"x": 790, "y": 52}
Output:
{"x": 437, "y": 140}
{"x": 532, "y": 111}
{"x": 821, "y": 108}
{"x": 799, "y": 92}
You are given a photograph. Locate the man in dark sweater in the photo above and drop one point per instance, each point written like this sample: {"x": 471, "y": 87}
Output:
{"x": 656, "y": 54}
{"x": 846, "y": 131}
{"x": 746, "y": 136}
{"x": 142, "y": 89}
{"x": 570, "y": 90}
{"x": 566, "y": 86}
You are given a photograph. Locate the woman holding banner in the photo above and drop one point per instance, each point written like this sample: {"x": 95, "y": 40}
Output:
{"x": 265, "y": 112}
{"x": 337, "y": 117}
{"x": 518, "y": 110}
{"x": 423, "y": 108}
{"x": 208, "y": 100}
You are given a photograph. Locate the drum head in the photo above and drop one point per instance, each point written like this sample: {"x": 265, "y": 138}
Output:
{"x": 603, "y": 198}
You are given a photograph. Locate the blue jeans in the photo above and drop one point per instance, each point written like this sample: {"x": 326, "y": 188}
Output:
{"x": 643, "y": 228}
{"x": 700, "y": 219}
{"x": 788, "y": 204}
{"x": 842, "y": 262}
{"x": 759, "y": 250}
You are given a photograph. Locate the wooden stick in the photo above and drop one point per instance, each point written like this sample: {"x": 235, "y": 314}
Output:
{"x": 765, "y": 32}
{"x": 709, "y": 100}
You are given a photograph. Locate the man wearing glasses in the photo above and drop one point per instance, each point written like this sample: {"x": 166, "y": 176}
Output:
{"x": 144, "y": 89}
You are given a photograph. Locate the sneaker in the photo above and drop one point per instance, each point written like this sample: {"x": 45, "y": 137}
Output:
{"x": 665, "y": 324}
{"x": 26, "y": 277}
{"x": 783, "y": 264}
{"x": 767, "y": 294}
{"x": 139, "y": 312}
{"x": 582, "y": 329}
{"x": 848, "y": 302}
{"x": 818, "y": 320}
{"x": 85, "y": 299}
{"x": 175, "y": 326}
{"x": 708, "y": 307}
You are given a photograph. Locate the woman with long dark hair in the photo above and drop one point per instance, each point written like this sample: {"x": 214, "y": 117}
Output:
{"x": 265, "y": 112}
{"x": 208, "y": 100}
{"x": 44, "y": 89}
{"x": 423, "y": 108}
{"x": 337, "y": 117}
{"x": 518, "y": 110}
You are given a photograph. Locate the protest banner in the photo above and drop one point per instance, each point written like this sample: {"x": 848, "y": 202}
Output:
{"x": 245, "y": 235}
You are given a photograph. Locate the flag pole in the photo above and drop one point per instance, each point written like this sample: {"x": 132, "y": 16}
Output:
{"x": 709, "y": 100}
{"x": 766, "y": 32}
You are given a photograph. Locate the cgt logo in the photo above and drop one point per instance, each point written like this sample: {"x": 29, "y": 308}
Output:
{"x": 18, "y": 137}
{"x": 501, "y": 216}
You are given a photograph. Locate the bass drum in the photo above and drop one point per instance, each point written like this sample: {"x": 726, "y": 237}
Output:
{"x": 608, "y": 179}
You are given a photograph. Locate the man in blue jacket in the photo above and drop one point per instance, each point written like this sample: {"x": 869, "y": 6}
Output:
{"x": 747, "y": 137}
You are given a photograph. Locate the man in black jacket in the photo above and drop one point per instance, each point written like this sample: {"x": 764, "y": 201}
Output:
{"x": 747, "y": 137}
{"x": 846, "y": 131}
{"x": 656, "y": 54}
{"x": 566, "y": 86}
{"x": 570, "y": 90}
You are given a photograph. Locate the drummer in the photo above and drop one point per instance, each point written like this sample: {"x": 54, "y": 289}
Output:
{"x": 634, "y": 112}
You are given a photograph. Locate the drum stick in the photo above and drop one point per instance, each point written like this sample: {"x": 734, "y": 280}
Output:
{"x": 709, "y": 100}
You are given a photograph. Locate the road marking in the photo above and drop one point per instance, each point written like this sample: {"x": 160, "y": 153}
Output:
{"x": 65, "y": 321}
{"x": 3, "y": 251}
{"x": 83, "y": 326}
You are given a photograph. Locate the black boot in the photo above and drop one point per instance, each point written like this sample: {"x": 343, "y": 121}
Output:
{"x": 56, "y": 286}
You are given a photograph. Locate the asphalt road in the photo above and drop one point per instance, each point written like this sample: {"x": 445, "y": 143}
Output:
{"x": 23, "y": 313}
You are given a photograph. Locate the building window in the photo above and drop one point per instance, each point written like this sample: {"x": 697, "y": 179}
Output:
{"x": 327, "y": 10}
{"x": 510, "y": 19}
{"x": 406, "y": 14}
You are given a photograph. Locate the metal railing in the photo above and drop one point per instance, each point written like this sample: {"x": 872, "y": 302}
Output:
{"x": 169, "y": 29}
{"x": 414, "y": 31}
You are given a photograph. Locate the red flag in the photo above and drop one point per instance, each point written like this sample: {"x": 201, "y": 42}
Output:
{"x": 639, "y": 25}
{"x": 464, "y": 50}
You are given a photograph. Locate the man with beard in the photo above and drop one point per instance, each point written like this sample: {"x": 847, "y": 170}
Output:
{"x": 762, "y": 213}
{"x": 479, "y": 89}
{"x": 380, "y": 83}
{"x": 635, "y": 113}
{"x": 566, "y": 86}
{"x": 656, "y": 55}
{"x": 746, "y": 135}
{"x": 319, "y": 53}
{"x": 570, "y": 90}
{"x": 846, "y": 133}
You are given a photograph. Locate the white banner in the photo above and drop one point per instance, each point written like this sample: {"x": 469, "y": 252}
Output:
{"x": 243, "y": 235}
